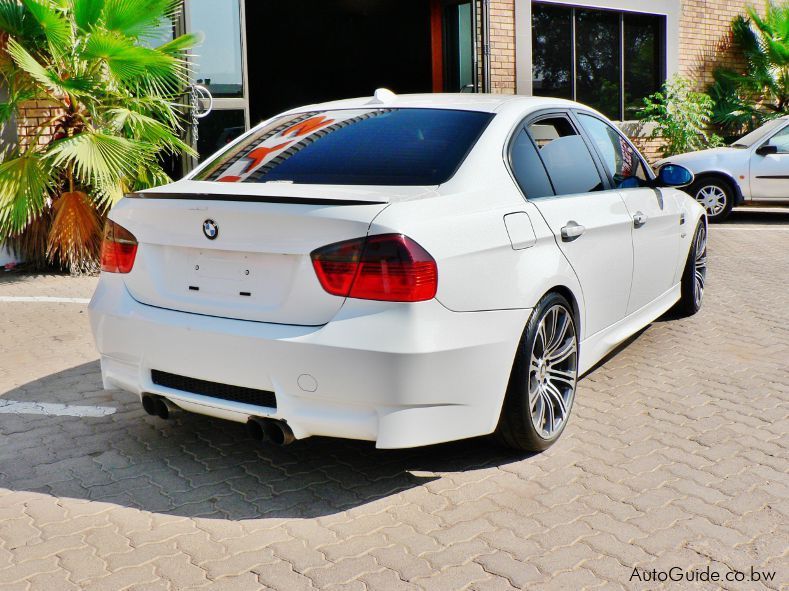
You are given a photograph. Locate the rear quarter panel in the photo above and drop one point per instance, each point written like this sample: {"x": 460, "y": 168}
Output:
{"x": 463, "y": 228}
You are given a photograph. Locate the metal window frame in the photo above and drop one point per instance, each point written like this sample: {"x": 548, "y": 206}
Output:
{"x": 668, "y": 54}
{"x": 220, "y": 103}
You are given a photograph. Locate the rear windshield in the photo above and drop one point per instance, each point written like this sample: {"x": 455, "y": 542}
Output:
{"x": 353, "y": 147}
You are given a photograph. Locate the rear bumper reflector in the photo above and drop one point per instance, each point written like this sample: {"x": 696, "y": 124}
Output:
{"x": 214, "y": 389}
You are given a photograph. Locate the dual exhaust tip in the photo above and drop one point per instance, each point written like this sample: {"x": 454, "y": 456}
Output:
{"x": 277, "y": 432}
{"x": 156, "y": 406}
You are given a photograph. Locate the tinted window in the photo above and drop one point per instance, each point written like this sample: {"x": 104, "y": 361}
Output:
{"x": 354, "y": 147}
{"x": 586, "y": 54}
{"x": 552, "y": 54}
{"x": 528, "y": 168}
{"x": 566, "y": 157}
{"x": 598, "y": 63}
{"x": 618, "y": 156}
{"x": 781, "y": 140}
{"x": 643, "y": 59}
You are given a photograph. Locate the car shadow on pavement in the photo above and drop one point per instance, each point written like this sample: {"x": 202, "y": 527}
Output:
{"x": 64, "y": 436}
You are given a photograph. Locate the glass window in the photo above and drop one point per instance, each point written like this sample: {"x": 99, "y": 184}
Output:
{"x": 567, "y": 159}
{"x": 598, "y": 64}
{"x": 528, "y": 168}
{"x": 781, "y": 139}
{"x": 757, "y": 135}
{"x": 458, "y": 54}
{"x": 586, "y": 55}
{"x": 354, "y": 147}
{"x": 218, "y": 58}
{"x": 552, "y": 41}
{"x": 619, "y": 157}
{"x": 218, "y": 129}
{"x": 643, "y": 60}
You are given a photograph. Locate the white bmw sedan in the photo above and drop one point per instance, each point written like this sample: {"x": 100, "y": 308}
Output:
{"x": 400, "y": 269}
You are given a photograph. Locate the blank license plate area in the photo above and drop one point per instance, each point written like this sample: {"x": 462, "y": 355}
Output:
{"x": 259, "y": 276}
{"x": 225, "y": 268}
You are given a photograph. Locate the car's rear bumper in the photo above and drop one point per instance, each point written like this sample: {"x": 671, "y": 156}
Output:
{"x": 402, "y": 375}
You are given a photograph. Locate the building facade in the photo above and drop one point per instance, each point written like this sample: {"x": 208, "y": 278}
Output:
{"x": 260, "y": 57}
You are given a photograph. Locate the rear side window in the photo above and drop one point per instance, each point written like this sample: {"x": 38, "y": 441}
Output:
{"x": 353, "y": 147}
{"x": 528, "y": 168}
{"x": 567, "y": 159}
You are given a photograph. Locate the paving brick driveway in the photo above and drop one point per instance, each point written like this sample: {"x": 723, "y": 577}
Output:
{"x": 676, "y": 456}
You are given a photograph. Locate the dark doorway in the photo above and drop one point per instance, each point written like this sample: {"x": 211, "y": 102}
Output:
{"x": 306, "y": 51}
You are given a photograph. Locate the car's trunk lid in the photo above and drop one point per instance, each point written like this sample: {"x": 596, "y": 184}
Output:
{"x": 258, "y": 266}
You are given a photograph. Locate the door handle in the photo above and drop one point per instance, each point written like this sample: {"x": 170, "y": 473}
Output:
{"x": 639, "y": 219}
{"x": 572, "y": 231}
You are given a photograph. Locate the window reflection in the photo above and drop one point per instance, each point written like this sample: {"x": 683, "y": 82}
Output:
{"x": 597, "y": 47}
{"x": 218, "y": 63}
{"x": 643, "y": 68}
{"x": 596, "y": 56}
{"x": 552, "y": 51}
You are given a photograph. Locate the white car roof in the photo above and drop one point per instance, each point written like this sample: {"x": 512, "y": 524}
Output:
{"x": 461, "y": 101}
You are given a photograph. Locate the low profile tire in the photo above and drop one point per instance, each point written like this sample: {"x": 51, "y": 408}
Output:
{"x": 715, "y": 195}
{"x": 542, "y": 385}
{"x": 695, "y": 274}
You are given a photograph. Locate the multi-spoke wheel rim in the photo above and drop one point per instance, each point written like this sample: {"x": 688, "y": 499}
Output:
{"x": 700, "y": 264}
{"x": 553, "y": 371}
{"x": 712, "y": 198}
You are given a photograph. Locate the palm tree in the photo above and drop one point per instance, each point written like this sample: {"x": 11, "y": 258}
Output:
{"x": 744, "y": 100}
{"x": 112, "y": 114}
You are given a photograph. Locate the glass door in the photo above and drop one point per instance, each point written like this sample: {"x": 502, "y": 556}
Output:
{"x": 219, "y": 66}
{"x": 459, "y": 47}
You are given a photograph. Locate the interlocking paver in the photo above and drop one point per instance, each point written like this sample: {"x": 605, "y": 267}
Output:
{"x": 675, "y": 456}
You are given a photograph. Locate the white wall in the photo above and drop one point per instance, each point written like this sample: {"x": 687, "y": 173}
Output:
{"x": 6, "y": 256}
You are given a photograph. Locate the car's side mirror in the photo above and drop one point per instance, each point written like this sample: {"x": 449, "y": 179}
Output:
{"x": 674, "y": 175}
{"x": 766, "y": 150}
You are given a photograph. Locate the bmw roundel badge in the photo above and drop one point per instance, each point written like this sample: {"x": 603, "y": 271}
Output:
{"x": 210, "y": 229}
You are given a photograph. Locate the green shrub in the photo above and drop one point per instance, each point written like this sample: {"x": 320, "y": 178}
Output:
{"x": 681, "y": 116}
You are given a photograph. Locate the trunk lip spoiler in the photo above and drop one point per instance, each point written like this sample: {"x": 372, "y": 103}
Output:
{"x": 254, "y": 198}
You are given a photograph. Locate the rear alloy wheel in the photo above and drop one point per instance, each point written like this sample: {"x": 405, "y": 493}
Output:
{"x": 695, "y": 273}
{"x": 542, "y": 385}
{"x": 715, "y": 196}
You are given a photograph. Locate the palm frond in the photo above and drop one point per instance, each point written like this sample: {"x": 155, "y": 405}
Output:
{"x": 50, "y": 80}
{"x": 25, "y": 184}
{"x": 147, "y": 129}
{"x": 17, "y": 21}
{"x": 138, "y": 18}
{"x": 181, "y": 43}
{"x": 57, "y": 30}
{"x": 137, "y": 66}
{"x": 99, "y": 158}
{"x": 74, "y": 237}
{"x": 87, "y": 13}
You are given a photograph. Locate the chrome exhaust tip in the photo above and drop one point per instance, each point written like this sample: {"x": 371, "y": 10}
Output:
{"x": 162, "y": 410}
{"x": 149, "y": 404}
{"x": 255, "y": 429}
{"x": 278, "y": 432}
{"x": 157, "y": 406}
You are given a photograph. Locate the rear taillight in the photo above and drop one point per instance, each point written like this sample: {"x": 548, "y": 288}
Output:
{"x": 389, "y": 267}
{"x": 118, "y": 249}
